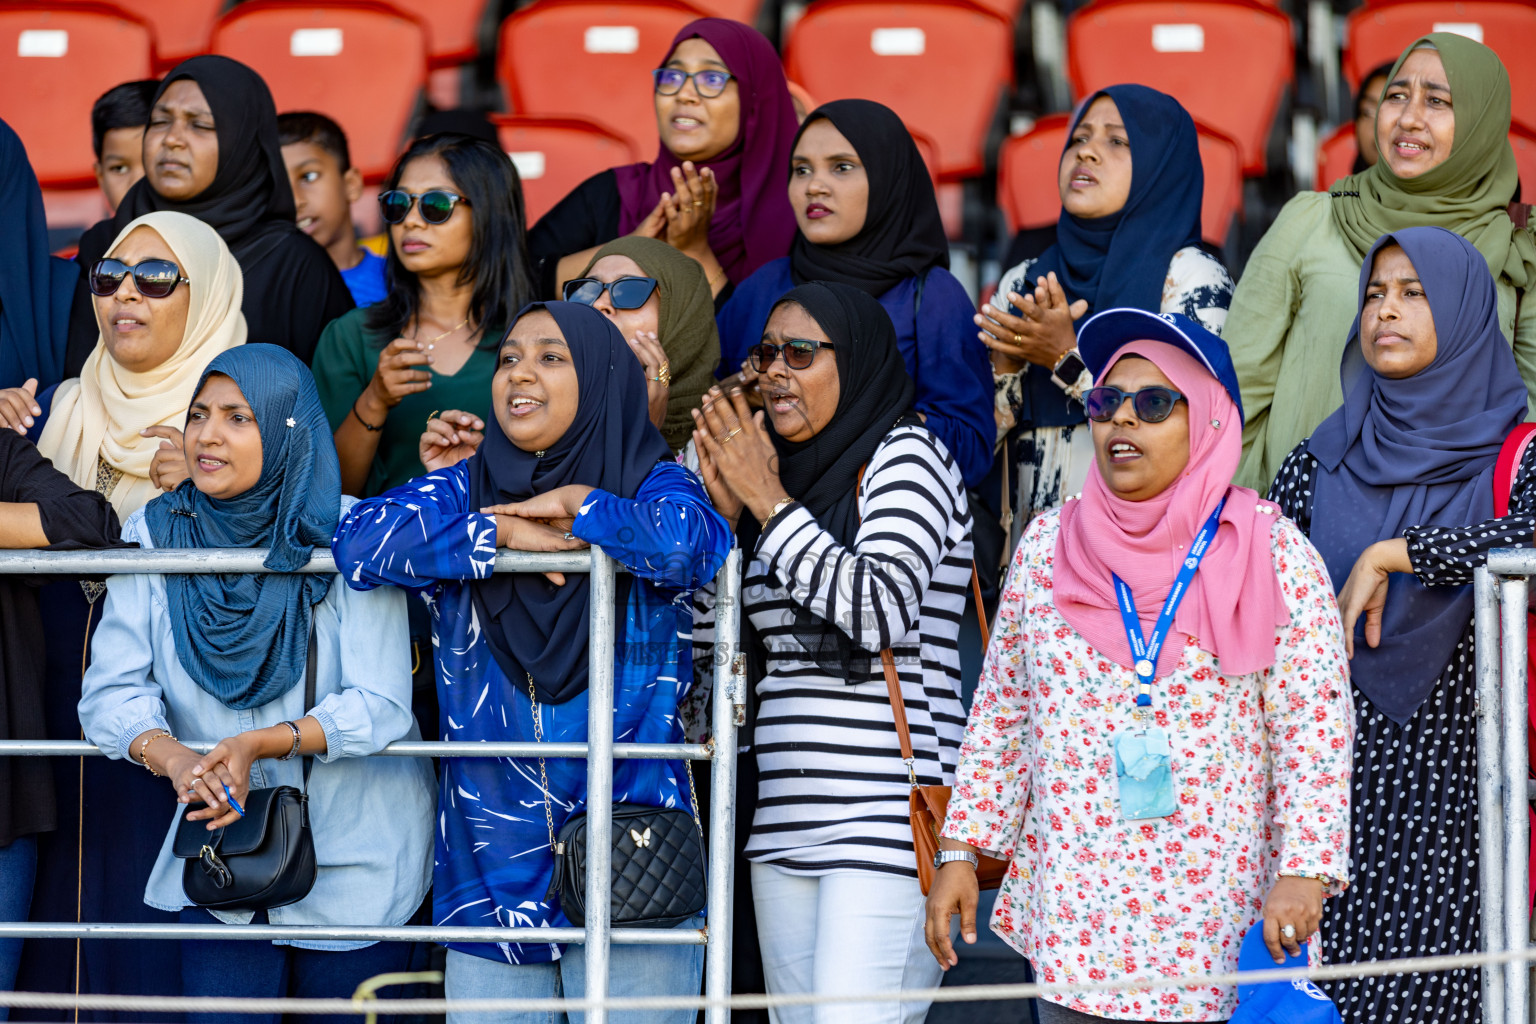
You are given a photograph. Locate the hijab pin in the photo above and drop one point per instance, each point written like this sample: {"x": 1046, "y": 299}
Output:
{"x": 183, "y": 512}
{"x": 292, "y": 422}
{"x": 1214, "y": 423}
{"x": 540, "y": 454}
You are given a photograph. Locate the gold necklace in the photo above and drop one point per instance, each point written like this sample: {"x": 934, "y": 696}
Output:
{"x": 431, "y": 343}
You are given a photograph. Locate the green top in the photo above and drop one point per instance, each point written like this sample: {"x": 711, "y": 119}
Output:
{"x": 1290, "y": 318}
{"x": 345, "y": 360}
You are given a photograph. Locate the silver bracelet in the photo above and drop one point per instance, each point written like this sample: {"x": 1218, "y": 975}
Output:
{"x": 298, "y": 738}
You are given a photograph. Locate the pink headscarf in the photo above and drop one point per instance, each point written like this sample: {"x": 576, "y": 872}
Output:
{"x": 753, "y": 222}
{"x": 1235, "y": 603}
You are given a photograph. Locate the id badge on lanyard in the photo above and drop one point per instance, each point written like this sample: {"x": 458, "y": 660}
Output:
{"x": 1143, "y": 754}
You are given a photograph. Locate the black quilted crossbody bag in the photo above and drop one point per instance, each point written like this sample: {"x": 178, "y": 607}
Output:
{"x": 264, "y": 860}
{"x": 657, "y": 874}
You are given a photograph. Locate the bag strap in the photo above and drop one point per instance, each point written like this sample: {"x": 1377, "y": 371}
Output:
{"x": 888, "y": 664}
{"x": 1510, "y": 457}
{"x": 309, "y": 693}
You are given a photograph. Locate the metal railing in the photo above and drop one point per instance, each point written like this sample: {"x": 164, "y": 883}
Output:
{"x": 597, "y": 935}
{"x": 1502, "y": 590}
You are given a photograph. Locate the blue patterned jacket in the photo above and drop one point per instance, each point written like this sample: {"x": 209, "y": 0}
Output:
{"x": 492, "y": 862}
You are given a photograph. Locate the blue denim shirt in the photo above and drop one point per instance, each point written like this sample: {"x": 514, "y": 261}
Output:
{"x": 493, "y": 849}
{"x": 371, "y": 817}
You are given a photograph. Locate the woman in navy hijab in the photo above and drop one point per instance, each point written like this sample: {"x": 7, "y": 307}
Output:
{"x": 1129, "y": 235}
{"x": 1396, "y": 489}
{"x": 36, "y": 289}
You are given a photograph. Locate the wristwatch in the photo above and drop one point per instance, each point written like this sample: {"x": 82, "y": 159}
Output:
{"x": 950, "y": 856}
{"x": 1068, "y": 373}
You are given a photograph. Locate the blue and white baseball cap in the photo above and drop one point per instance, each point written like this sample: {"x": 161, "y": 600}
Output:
{"x": 1279, "y": 1002}
{"x": 1104, "y": 334}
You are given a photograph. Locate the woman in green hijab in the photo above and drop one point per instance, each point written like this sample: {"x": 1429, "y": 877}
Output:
{"x": 661, "y": 303}
{"x": 1443, "y": 133}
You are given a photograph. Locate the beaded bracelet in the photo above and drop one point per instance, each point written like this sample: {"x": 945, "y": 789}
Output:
{"x": 144, "y": 751}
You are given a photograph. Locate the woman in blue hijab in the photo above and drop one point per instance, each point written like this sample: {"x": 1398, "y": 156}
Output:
{"x": 1396, "y": 489}
{"x": 36, "y": 289}
{"x": 1128, "y": 235}
{"x": 227, "y": 655}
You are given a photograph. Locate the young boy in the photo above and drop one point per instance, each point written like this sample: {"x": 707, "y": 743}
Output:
{"x": 325, "y": 185}
{"x": 118, "y": 118}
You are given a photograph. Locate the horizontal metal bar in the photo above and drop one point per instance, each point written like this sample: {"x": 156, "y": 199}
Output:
{"x": 238, "y": 560}
{"x": 1512, "y": 562}
{"x": 342, "y": 933}
{"x": 413, "y": 748}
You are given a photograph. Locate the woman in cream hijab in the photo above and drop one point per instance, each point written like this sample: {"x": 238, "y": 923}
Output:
{"x": 149, "y": 355}
{"x": 116, "y": 429}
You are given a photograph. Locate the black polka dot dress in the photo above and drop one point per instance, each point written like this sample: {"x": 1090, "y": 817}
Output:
{"x": 1414, "y": 845}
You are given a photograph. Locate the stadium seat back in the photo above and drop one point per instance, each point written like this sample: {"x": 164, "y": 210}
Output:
{"x": 554, "y": 155}
{"x": 590, "y": 59}
{"x": 55, "y": 60}
{"x": 182, "y": 28}
{"x": 940, "y": 65}
{"x": 1030, "y": 197}
{"x": 1377, "y": 33}
{"x": 1227, "y": 61}
{"x": 453, "y": 28}
{"x": 361, "y": 63}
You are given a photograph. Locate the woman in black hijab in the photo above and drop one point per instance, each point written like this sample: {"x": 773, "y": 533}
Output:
{"x": 211, "y": 151}
{"x": 857, "y": 522}
{"x": 868, "y": 218}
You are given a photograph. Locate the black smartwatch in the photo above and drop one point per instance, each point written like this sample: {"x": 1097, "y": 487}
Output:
{"x": 1069, "y": 368}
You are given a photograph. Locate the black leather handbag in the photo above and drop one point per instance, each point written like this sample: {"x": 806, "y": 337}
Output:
{"x": 264, "y": 860}
{"x": 657, "y": 874}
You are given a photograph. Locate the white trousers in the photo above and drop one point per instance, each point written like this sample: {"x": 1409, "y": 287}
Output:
{"x": 844, "y": 932}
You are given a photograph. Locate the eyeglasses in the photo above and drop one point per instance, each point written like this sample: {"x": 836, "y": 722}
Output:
{"x": 155, "y": 279}
{"x": 436, "y": 205}
{"x": 1152, "y": 405}
{"x": 798, "y": 353}
{"x": 624, "y": 293}
{"x": 670, "y": 81}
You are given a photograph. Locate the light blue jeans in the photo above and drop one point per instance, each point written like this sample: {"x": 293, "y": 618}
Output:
{"x": 632, "y": 971}
{"x": 844, "y": 932}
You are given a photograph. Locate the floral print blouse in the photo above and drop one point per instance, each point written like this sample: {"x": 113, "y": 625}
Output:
{"x": 1262, "y": 763}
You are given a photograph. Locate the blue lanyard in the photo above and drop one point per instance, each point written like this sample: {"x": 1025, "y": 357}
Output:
{"x": 1146, "y": 651}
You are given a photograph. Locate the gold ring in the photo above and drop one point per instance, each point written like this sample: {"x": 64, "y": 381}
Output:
{"x": 1018, "y": 339}
{"x": 728, "y": 435}
{"x": 433, "y": 416}
{"x": 698, "y": 202}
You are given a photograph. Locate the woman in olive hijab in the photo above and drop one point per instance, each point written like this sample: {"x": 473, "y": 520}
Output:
{"x": 1443, "y": 133}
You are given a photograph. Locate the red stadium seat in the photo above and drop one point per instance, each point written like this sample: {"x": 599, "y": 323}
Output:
{"x": 1378, "y": 32}
{"x": 55, "y": 59}
{"x": 555, "y": 154}
{"x": 939, "y": 64}
{"x": 1336, "y": 157}
{"x": 453, "y": 28}
{"x": 590, "y": 59}
{"x": 1227, "y": 61}
{"x": 1030, "y": 198}
{"x": 359, "y": 62}
{"x": 181, "y": 28}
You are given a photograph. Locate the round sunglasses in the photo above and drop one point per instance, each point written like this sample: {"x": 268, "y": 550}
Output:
{"x": 711, "y": 83}
{"x": 1152, "y": 405}
{"x": 798, "y": 353}
{"x": 155, "y": 279}
{"x": 436, "y": 204}
{"x": 624, "y": 293}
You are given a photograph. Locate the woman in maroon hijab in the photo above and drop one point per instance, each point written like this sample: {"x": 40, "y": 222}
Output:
{"x": 716, "y": 188}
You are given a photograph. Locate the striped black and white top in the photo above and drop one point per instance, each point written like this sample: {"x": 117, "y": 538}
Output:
{"x": 832, "y": 790}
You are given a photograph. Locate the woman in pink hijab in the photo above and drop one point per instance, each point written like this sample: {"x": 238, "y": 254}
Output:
{"x": 1160, "y": 743}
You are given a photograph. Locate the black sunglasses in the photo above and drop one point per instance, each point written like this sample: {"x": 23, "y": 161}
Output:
{"x": 1152, "y": 405}
{"x": 798, "y": 353}
{"x": 155, "y": 279}
{"x": 624, "y": 293}
{"x": 711, "y": 83}
{"x": 436, "y": 205}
